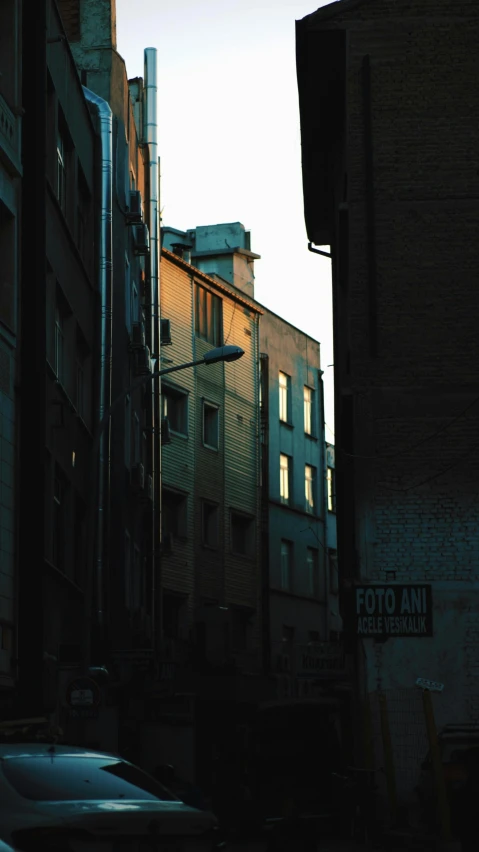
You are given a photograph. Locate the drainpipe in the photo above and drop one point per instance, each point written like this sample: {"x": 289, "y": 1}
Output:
{"x": 105, "y": 288}
{"x": 150, "y": 135}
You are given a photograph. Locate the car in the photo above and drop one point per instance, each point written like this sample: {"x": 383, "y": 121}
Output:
{"x": 458, "y": 746}
{"x": 68, "y": 798}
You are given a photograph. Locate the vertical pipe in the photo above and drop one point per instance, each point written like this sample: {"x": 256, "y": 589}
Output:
{"x": 150, "y": 134}
{"x": 101, "y": 462}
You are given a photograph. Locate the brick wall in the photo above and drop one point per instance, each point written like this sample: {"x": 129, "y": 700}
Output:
{"x": 417, "y": 483}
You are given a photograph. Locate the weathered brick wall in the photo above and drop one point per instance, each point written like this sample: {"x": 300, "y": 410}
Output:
{"x": 417, "y": 487}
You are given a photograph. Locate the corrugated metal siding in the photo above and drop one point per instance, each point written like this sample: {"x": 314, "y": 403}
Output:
{"x": 178, "y": 458}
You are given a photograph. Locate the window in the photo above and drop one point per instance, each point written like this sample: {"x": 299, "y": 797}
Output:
{"x": 208, "y": 319}
{"x": 59, "y": 355}
{"x": 309, "y": 488}
{"x": 308, "y": 411}
{"x": 284, "y": 397}
{"x": 174, "y": 513}
{"x": 175, "y": 408}
{"x": 210, "y": 524}
{"x": 83, "y": 215}
{"x": 239, "y": 629}
{"x": 59, "y": 518}
{"x": 312, "y": 566}
{"x": 242, "y": 534}
{"x": 331, "y": 483}
{"x": 75, "y": 778}
{"x": 288, "y": 636}
{"x": 333, "y": 571}
{"x": 285, "y": 478}
{"x": 286, "y": 564}
{"x": 80, "y": 541}
{"x": 128, "y": 431}
{"x": 81, "y": 375}
{"x": 210, "y": 425}
{"x": 61, "y": 172}
{"x": 313, "y": 637}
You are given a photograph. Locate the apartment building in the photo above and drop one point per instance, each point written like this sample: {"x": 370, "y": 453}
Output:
{"x": 58, "y": 351}
{"x": 10, "y": 231}
{"x": 390, "y": 184}
{"x": 127, "y": 543}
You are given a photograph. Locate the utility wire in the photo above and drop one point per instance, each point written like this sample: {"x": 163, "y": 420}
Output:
{"x": 455, "y": 463}
{"x": 419, "y": 443}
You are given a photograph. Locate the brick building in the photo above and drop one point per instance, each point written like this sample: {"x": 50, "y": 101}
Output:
{"x": 388, "y": 110}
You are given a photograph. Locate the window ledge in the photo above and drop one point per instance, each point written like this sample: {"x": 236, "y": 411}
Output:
{"x": 311, "y": 437}
{"x": 213, "y": 547}
{"x": 286, "y": 423}
{"x": 183, "y": 435}
{"x": 209, "y": 447}
{"x": 247, "y": 556}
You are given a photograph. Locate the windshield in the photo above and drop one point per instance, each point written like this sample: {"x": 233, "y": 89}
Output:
{"x": 69, "y": 778}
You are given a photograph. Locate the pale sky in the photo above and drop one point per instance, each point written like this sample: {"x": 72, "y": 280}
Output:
{"x": 229, "y": 139}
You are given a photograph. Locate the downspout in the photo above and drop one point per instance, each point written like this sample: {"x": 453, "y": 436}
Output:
{"x": 105, "y": 289}
{"x": 150, "y": 135}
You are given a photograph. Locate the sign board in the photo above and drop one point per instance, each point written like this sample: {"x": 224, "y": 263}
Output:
{"x": 323, "y": 660}
{"x": 83, "y": 698}
{"x": 431, "y": 685}
{"x": 393, "y": 610}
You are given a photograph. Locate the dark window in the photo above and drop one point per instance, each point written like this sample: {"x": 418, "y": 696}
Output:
{"x": 313, "y": 636}
{"x": 286, "y": 564}
{"x": 242, "y": 534}
{"x": 80, "y": 554}
{"x": 174, "y": 513}
{"x": 208, "y": 319}
{"x": 210, "y": 524}
{"x": 239, "y": 630}
{"x": 81, "y": 377}
{"x": 171, "y": 615}
{"x": 211, "y": 418}
{"x": 175, "y": 408}
{"x": 68, "y": 778}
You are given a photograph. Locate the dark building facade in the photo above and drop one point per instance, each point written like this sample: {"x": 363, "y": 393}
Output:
{"x": 389, "y": 152}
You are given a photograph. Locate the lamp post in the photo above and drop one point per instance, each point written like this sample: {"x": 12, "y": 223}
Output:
{"x": 213, "y": 356}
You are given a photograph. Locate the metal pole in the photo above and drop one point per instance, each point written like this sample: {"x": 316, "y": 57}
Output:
{"x": 388, "y": 757}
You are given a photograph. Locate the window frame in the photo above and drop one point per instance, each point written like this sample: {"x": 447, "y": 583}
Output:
{"x": 212, "y": 406}
{"x": 310, "y": 486}
{"x": 176, "y": 393}
{"x": 285, "y": 499}
{"x": 248, "y": 520}
{"x": 308, "y": 406}
{"x": 284, "y": 397}
{"x": 208, "y": 328}
{"x": 180, "y": 501}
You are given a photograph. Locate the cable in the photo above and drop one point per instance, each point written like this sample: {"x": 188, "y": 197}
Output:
{"x": 419, "y": 443}
{"x": 231, "y": 323}
{"x": 456, "y": 463}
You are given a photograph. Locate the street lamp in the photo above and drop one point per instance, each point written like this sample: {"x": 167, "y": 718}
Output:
{"x": 213, "y": 356}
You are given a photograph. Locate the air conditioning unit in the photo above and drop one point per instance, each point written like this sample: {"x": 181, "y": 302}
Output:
{"x": 137, "y": 337}
{"x": 135, "y": 213}
{"x": 149, "y": 487}
{"x": 143, "y": 361}
{"x": 137, "y": 477}
{"x": 165, "y": 332}
{"x": 141, "y": 239}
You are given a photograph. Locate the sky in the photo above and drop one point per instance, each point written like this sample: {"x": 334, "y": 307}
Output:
{"x": 229, "y": 140}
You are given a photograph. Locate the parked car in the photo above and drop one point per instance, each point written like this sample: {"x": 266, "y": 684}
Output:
{"x": 71, "y": 799}
{"x": 458, "y": 746}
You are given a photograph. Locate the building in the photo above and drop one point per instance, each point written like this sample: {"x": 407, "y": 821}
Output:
{"x": 58, "y": 353}
{"x": 10, "y": 226}
{"x": 124, "y": 640}
{"x": 211, "y": 579}
{"x": 294, "y": 487}
{"x": 401, "y": 218}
